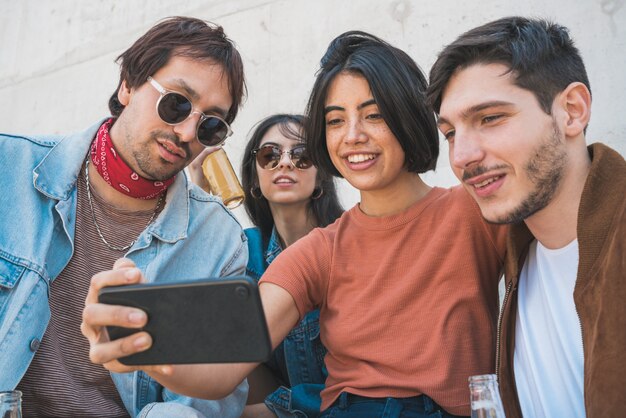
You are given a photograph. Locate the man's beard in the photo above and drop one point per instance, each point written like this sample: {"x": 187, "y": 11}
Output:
{"x": 153, "y": 169}
{"x": 545, "y": 171}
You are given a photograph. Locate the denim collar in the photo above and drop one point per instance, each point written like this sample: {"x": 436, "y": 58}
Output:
{"x": 273, "y": 247}
{"x": 56, "y": 176}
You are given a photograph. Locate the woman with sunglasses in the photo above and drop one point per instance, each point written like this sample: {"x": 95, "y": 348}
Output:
{"x": 406, "y": 281}
{"x": 286, "y": 197}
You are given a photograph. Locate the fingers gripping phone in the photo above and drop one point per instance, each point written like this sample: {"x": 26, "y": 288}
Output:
{"x": 198, "y": 321}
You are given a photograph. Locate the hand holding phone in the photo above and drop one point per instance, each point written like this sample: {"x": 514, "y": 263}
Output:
{"x": 197, "y": 321}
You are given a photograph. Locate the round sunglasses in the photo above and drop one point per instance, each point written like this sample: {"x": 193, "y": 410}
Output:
{"x": 268, "y": 157}
{"x": 174, "y": 108}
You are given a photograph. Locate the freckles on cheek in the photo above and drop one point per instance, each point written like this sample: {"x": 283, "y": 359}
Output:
{"x": 331, "y": 143}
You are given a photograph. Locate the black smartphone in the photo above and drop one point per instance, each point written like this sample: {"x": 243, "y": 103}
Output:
{"x": 196, "y": 321}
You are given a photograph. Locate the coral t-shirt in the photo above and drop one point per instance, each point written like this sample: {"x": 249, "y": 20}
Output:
{"x": 408, "y": 302}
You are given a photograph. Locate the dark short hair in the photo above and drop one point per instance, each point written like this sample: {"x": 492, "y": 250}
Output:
{"x": 325, "y": 209}
{"x": 540, "y": 55}
{"x": 398, "y": 86}
{"x": 184, "y": 37}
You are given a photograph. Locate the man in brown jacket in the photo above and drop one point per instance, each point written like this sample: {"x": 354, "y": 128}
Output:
{"x": 514, "y": 102}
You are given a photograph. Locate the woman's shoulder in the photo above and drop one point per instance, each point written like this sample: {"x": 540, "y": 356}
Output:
{"x": 455, "y": 199}
{"x": 463, "y": 206}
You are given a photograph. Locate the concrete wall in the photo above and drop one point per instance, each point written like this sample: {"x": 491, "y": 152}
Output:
{"x": 57, "y": 70}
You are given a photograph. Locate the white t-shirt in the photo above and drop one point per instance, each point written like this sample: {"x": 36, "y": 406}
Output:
{"x": 548, "y": 359}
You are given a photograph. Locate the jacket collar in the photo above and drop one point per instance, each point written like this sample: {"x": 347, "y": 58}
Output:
{"x": 273, "y": 247}
{"x": 603, "y": 195}
{"x": 172, "y": 223}
{"x": 605, "y": 183}
{"x": 55, "y": 176}
{"x": 518, "y": 240}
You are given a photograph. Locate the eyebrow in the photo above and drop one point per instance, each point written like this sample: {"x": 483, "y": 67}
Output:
{"x": 182, "y": 84}
{"x": 359, "y": 107}
{"x": 189, "y": 91}
{"x": 297, "y": 144}
{"x": 465, "y": 114}
{"x": 365, "y": 104}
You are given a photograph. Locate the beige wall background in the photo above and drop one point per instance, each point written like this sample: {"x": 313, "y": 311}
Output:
{"x": 57, "y": 67}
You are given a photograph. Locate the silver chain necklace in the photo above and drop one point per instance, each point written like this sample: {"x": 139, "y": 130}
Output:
{"x": 93, "y": 213}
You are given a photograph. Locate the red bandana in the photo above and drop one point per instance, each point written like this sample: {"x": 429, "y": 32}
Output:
{"x": 117, "y": 173}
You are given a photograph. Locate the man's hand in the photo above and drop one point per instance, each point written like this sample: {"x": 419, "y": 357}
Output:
{"x": 98, "y": 315}
{"x": 195, "y": 168}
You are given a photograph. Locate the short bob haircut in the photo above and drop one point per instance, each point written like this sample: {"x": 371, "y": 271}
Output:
{"x": 398, "y": 86}
{"x": 183, "y": 37}
{"x": 324, "y": 209}
{"x": 540, "y": 55}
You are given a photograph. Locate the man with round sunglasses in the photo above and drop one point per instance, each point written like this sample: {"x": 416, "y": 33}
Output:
{"x": 74, "y": 204}
{"x": 174, "y": 108}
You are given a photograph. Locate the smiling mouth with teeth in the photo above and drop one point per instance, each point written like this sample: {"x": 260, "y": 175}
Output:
{"x": 486, "y": 182}
{"x": 359, "y": 158}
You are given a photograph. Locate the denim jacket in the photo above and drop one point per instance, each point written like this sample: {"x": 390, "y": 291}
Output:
{"x": 299, "y": 360}
{"x": 37, "y": 222}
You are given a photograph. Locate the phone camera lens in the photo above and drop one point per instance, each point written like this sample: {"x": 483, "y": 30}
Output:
{"x": 241, "y": 292}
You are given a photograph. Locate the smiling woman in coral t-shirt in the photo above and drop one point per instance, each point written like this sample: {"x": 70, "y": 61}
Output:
{"x": 406, "y": 281}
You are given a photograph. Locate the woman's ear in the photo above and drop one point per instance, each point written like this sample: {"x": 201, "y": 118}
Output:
{"x": 123, "y": 93}
{"x": 575, "y": 102}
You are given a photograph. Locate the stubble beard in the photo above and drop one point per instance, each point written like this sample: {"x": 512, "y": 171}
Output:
{"x": 545, "y": 171}
{"x": 155, "y": 167}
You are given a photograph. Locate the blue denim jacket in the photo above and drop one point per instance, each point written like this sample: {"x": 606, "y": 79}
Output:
{"x": 37, "y": 222}
{"x": 299, "y": 360}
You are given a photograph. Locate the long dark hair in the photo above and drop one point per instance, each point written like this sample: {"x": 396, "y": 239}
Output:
{"x": 324, "y": 209}
{"x": 399, "y": 89}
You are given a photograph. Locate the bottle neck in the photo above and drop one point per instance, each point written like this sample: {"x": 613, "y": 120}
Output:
{"x": 11, "y": 401}
{"x": 485, "y": 397}
{"x": 483, "y": 379}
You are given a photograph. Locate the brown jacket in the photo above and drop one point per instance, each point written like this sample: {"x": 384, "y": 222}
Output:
{"x": 599, "y": 295}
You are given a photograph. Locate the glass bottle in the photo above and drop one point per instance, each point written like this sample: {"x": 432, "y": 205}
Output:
{"x": 485, "y": 399}
{"x": 11, "y": 404}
